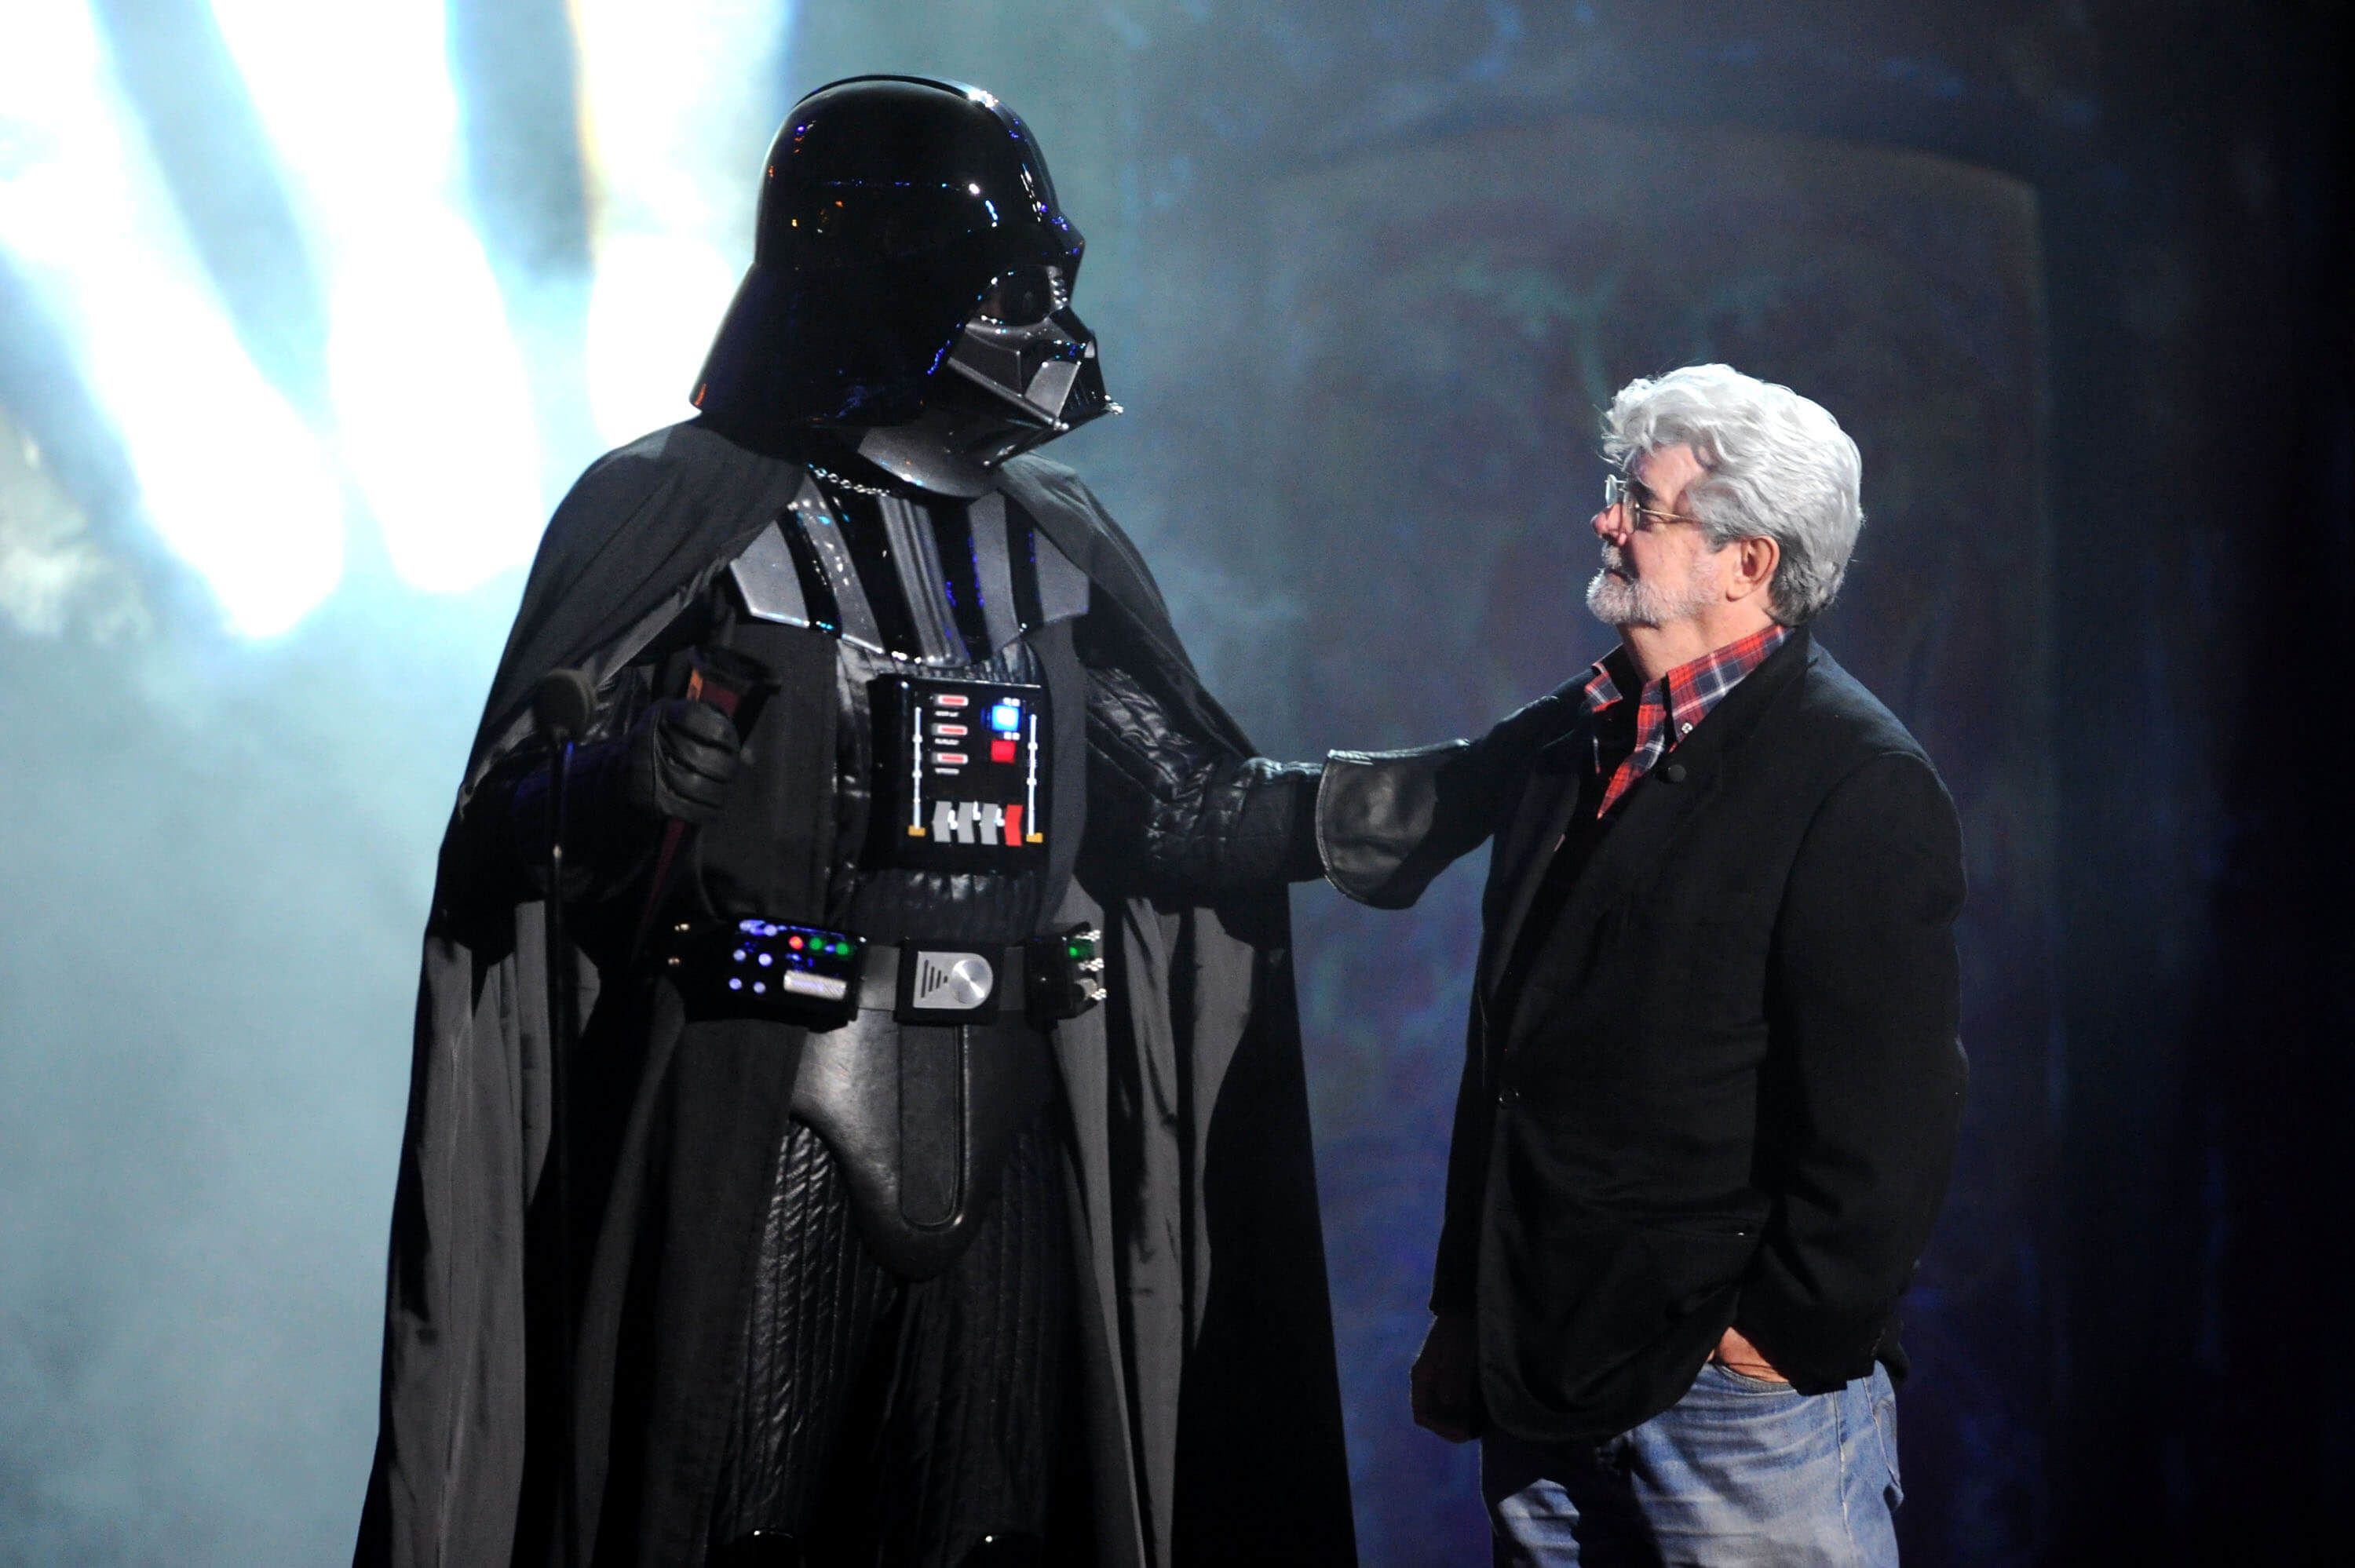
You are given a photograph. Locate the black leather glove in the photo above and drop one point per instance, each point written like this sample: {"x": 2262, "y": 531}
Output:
{"x": 676, "y": 760}
{"x": 673, "y": 764}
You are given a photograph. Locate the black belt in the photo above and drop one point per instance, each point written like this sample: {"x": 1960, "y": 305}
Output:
{"x": 942, "y": 982}
{"x": 822, "y": 979}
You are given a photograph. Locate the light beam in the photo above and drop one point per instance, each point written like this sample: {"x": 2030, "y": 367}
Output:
{"x": 434, "y": 411}
{"x": 228, "y": 475}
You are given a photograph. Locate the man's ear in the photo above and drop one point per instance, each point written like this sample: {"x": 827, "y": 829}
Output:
{"x": 1754, "y": 560}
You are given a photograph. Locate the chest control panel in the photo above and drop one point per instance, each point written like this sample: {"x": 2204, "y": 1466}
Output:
{"x": 962, "y": 775}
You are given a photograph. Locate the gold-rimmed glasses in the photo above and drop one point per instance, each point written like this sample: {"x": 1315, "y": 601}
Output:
{"x": 1619, "y": 490}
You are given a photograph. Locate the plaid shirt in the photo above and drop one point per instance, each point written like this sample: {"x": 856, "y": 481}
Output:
{"x": 1670, "y": 706}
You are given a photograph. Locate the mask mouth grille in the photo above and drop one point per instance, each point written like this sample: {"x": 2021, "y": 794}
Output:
{"x": 1024, "y": 296}
{"x": 1029, "y": 371}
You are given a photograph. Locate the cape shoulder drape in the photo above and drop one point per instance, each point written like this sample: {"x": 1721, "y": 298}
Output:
{"x": 1212, "y": 1407}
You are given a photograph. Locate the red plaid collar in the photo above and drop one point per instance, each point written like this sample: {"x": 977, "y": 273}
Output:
{"x": 1667, "y": 709}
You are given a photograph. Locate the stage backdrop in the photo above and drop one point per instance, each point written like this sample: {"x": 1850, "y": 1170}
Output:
{"x": 1439, "y": 326}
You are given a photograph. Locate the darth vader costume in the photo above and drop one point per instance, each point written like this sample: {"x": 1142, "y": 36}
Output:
{"x": 941, "y": 1189}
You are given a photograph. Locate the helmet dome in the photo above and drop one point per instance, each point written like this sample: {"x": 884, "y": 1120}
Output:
{"x": 889, "y": 205}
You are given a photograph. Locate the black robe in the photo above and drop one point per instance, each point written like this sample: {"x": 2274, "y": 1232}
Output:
{"x": 1211, "y": 1405}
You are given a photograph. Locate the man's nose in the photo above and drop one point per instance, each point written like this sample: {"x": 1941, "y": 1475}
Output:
{"x": 1609, "y": 525}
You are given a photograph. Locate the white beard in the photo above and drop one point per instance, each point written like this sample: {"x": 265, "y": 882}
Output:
{"x": 1631, "y": 602}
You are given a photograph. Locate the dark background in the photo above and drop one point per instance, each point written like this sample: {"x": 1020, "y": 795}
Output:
{"x": 2097, "y": 351}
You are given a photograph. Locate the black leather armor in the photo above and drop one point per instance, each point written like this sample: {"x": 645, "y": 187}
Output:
{"x": 870, "y": 574}
{"x": 918, "y": 1124}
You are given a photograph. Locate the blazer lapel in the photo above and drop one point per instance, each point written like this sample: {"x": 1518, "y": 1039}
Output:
{"x": 1655, "y": 812}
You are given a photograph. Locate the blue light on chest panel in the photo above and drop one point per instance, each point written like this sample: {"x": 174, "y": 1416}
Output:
{"x": 1007, "y": 717}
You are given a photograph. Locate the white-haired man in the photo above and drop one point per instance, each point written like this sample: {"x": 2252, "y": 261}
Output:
{"x": 1712, "y": 1083}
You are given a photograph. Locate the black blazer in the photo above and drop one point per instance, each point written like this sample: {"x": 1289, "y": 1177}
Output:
{"x": 1729, "y": 1085}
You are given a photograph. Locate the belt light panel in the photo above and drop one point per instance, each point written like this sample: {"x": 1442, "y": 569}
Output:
{"x": 760, "y": 968}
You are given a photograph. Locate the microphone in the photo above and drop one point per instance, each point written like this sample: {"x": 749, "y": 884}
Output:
{"x": 564, "y": 704}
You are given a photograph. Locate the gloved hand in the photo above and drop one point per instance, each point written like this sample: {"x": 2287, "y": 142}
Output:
{"x": 676, "y": 760}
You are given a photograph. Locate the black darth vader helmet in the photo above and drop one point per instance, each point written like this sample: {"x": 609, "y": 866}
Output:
{"x": 910, "y": 256}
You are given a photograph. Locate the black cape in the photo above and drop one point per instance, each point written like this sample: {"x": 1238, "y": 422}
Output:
{"x": 1212, "y": 1413}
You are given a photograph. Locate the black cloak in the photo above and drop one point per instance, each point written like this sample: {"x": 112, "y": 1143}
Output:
{"x": 1211, "y": 1404}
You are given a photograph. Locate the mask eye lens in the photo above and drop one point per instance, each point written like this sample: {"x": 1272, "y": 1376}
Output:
{"x": 1019, "y": 298}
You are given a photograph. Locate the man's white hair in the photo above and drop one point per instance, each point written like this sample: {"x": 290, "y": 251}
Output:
{"x": 1774, "y": 466}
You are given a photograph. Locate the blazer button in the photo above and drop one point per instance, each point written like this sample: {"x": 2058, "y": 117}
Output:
{"x": 1675, "y": 771}
{"x": 1508, "y": 1096}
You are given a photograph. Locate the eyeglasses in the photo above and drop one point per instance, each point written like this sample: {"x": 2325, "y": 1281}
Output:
{"x": 1619, "y": 490}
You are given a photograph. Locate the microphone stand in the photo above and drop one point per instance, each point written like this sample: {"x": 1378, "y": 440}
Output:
{"x": 563, "y": 703}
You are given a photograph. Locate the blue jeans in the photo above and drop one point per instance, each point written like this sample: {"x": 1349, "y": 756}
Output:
{"x": 1737, "y": 1472}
